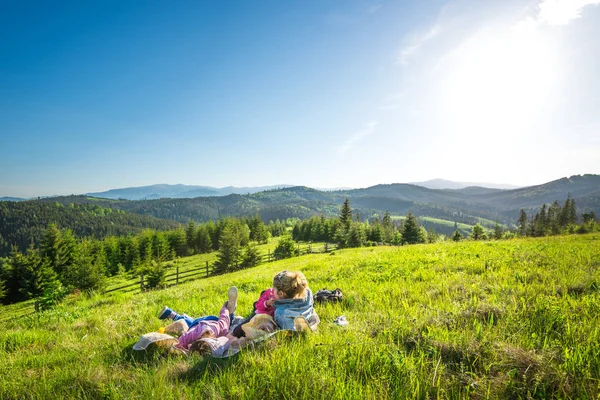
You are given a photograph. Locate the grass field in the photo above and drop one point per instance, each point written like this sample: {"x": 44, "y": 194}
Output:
{"x": 506, "y": 319}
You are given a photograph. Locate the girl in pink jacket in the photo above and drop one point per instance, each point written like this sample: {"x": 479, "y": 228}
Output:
{"x": 264, "y": 305}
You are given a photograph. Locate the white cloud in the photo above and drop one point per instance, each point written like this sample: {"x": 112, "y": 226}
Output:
{"x": 415, "y": 42}
{"x": 554, "y": 12}
{"x": 561, "y": 12}
{"x": 368, "y": 130}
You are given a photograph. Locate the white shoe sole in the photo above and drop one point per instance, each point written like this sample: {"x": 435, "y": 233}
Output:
{"x": 232, "y": 295}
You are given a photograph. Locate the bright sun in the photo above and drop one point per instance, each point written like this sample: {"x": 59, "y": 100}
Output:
{"x": 497, "y": 83}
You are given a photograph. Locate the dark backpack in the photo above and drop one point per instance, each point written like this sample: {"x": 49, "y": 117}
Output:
{"x": 325, "y": 296}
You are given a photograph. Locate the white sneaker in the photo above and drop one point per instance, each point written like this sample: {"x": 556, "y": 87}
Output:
{"x": 301, "y": 325}
{"x": 232, "y": 295}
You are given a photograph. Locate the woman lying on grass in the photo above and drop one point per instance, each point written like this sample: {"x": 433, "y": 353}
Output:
{"x": 293, "y": 310}
{"x": 294, "y": 302}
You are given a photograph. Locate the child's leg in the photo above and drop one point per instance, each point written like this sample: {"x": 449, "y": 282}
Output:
{"x": 222, "y": 325}
{"x": 193, "y": 322}
{"x": 188, "y": 320}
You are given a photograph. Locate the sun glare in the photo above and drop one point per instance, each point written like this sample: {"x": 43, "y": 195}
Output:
{"x": 497, "y": 84}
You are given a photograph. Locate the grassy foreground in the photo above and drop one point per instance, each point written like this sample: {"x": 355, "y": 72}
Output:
{"x": 509, "y": 319}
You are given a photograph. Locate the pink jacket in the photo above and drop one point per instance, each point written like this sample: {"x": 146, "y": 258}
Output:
{"x": 262, "y": 307}
{"x": 219, "y": 328}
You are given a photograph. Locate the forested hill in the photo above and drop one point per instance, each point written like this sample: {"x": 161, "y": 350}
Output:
{"x": 22, "y": 223}
{"x": 463, "y": 205}
{"x": 585, "y": 189}
{"x": 89, "y": 216}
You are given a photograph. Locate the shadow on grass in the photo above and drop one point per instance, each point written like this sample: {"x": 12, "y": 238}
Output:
{"x": 208, "y": 366}
{"x": 152, "y": 355}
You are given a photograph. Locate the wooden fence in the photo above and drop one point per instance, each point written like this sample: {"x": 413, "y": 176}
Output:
{"x": 140, "y": 283}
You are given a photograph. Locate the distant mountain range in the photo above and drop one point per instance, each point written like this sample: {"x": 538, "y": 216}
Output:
{"x": 179, "y": 191}
{"x": 163, "y": 191}
{"x": 463, "y": 205}
{"x": 11, "y": 199}
{"x": 444, "y": 184}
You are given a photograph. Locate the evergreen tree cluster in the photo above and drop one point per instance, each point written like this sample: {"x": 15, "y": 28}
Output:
{"x": 347, "y": 230}
{"x": 62, "y": 263}
{"x": 23, "y": 223}
{"x": 555, "y": 220}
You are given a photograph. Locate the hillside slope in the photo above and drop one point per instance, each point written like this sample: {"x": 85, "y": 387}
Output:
{"x": 510, "y": 319}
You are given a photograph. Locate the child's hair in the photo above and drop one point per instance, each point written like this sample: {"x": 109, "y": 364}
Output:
{"x": 293, "y": 284}
{"x": 201, "y": 347}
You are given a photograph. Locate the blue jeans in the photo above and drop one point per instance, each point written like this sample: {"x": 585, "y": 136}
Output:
{"x": 191, "y": 322}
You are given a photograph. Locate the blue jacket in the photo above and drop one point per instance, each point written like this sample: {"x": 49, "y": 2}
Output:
{"x": 288, "y": 309}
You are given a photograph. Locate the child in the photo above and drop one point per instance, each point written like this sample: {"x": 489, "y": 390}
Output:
{"x": 210, "y": 328}
{"x": 167, "y": 313}
{"x": 259, "y": 326}
{"x": 264, "y": 305}
{"x": 294, "y": 302}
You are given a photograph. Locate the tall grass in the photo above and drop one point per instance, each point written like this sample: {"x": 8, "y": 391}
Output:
{"x": 509, "y": 319}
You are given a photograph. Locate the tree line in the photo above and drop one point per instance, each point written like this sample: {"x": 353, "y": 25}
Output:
{"x": 347, "y": 229}
{"x": 23, "y": 223}
{"x": 62, "y": 263}
{"x": 555, "y": 220}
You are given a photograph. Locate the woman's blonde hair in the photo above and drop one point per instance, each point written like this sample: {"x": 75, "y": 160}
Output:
{"x": 293, "y": 284}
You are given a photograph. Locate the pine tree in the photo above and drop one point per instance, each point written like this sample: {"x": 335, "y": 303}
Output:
{"x": 34, "y": 275}
{"x": 541, "y": 222}
{"x": 564, "y": 218}
{"x": 177, "y": 242}
{"x": 553, "y": 220}
{"x": 87, "y": 272}
{"x": 251, "y": 256}
{"x": 203, "y": 242}
{"x": 346, "y": 215}
{"x": 356, "y": 235}
{"x": 160, "y": 247}
{"x": 498, "y": 231}
{"x": 411, "y": 232}
{"x": 388, "y": 231}
{"x": 285, "y": 248}
{"x": 375, "y": 231}
{"x": 131, "y": 255}
{"x": 49, "y": 246}
{"x": 522, "y": 223}
{"x": 190, "y": 236}
{"x": 258, "y": 230}
{"x": 229, "y": 249}
{"x": 457, "y": 236}
{"x": 572, "y": 213}
{"x": 478, "y": 233}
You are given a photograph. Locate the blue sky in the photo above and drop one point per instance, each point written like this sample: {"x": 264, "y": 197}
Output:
{"x": 101, "y": 95}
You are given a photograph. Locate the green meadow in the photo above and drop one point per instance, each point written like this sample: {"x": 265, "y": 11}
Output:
{"x": 499, "y": 319}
